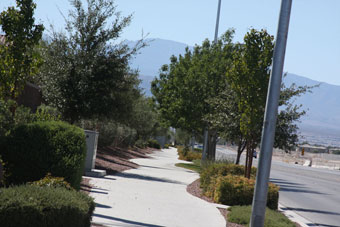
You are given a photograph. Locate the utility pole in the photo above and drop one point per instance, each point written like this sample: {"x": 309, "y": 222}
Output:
{"x": 270, "y": 116}
{"x": 206, "y": 139}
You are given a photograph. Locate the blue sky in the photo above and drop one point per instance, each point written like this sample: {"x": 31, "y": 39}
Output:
{"x": 313, "y": 48}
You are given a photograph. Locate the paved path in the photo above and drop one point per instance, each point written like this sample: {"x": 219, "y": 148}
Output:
{"x": 152, "y": 195}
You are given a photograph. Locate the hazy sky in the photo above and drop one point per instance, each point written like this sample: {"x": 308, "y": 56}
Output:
{"x": 313, "y": 47}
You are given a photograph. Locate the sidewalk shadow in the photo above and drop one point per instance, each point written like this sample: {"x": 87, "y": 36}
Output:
{"x": 126, "y": 221}
{"x": 102, "y": 206}
{"x": 147, "y": 178}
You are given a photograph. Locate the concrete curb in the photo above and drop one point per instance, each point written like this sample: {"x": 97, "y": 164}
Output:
{"x": 293, "y": 216}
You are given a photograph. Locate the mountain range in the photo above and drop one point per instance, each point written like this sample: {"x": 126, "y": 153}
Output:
{"x": 321, "y": 124}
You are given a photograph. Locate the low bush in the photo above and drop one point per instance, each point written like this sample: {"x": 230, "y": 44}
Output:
{"x": 214, "y": 170}
{"x": 31, "y": 205}
{"x": 238, "y": 190}
{"x": 187, "y": 155}
{"x": 241, "y": 215}
{"x": 32, "y": 150}
{"x": 50, "y": 181}
{"x": 154, "y": 144}
{"x": 141, "y": 143}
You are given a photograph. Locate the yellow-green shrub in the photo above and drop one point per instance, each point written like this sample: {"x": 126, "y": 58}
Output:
{"x": 215, "y": 170}
{"x": 238, "y": 190}
{"x": 187, "y": 155}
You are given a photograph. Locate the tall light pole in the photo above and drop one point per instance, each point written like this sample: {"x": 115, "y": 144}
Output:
{"x": 206, "y": 139}
{"x": 270, "y": 116}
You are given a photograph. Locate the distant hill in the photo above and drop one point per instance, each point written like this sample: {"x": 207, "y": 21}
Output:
{"x": 322, "y": 122}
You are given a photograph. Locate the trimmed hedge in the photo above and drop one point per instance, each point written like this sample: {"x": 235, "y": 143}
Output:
{"x": 29, "y": 205}
{"x": 185, "y": 154}
{"x": 215, "y": 170}
{"x": 33, "y": 150}
{"x": 238, "y": 190}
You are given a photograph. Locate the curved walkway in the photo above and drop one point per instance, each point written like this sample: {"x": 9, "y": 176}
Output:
{"x": 152, "y": 195}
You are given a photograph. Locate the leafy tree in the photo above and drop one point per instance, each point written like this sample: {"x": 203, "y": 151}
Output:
{"x": 85, "y": 74}
{"x": 185, "y": 84}
{"x": 19, "y": 60}
{"x": 248, "y": 79}
{"x": 227, "y": 117}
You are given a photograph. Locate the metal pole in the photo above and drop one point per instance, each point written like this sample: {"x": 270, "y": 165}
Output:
{"x": 268, "y": 132}
{"x": 205, "y": 142}
{"x": 217, "y": 20}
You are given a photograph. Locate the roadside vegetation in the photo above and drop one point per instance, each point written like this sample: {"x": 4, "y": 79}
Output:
{"x": 241, "y": 215}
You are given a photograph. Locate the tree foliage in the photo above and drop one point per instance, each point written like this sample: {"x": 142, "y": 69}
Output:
{"x": 19, "y": 60}
{"x": 85, "y": 74}
{"x": 189, "y": 80}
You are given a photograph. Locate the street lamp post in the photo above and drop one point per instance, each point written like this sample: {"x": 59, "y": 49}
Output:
{"x": 270, "y": 116}
{"x": 206, "y": 139}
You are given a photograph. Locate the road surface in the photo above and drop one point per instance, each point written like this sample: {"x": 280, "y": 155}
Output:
{"x": 312, "y": 193}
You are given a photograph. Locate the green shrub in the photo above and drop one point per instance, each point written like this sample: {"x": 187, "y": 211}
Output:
{"x": 50, "y": 181}
{"x": 141, "y": 143}
{"x": 241, "y": 215}
{"x": 154, "y": 144}
{"x": 238, "y": 190}
{"x": 336, "y": 152}
{"x": 185, "y": 154}
{"x": 33, "y": 150}
{"x": 167, "y": 146}
{"x": 30, "y": 205}
{"x": 214, "y": 170}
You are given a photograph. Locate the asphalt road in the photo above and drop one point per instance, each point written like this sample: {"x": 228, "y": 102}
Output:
{"x": 312, "y": 193}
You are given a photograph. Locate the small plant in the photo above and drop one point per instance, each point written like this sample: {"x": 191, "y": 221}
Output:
{"x": 141, "y": 143}
{"x": 50, "y": 181}
{"x": 185, "y": 154}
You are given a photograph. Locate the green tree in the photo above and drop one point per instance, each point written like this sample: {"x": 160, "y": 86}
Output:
{"x": 248, "y": 79}
{"x": 227, "y": 117}
{"x": 19, "y": 60}
{"x": 85, "y": 74}
{"x": 188, "y": 81}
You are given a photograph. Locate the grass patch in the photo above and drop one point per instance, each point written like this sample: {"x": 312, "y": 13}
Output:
{"x": 194, "y": 166}
{"x": 241, "y": 215}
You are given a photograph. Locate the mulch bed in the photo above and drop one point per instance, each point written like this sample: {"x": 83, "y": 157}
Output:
{"x": 114, "y": 159}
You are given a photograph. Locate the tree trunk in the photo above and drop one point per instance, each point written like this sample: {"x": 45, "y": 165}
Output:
{"x": 193, "y": 142}
{"x": 209, "y": 146}
{"x": 1, "y": 175}
{"x": 240, "y": 149}
{"x": 247, "y": 161}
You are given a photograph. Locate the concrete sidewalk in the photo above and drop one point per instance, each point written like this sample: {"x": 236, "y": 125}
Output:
{"x": 152, "y": 195}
